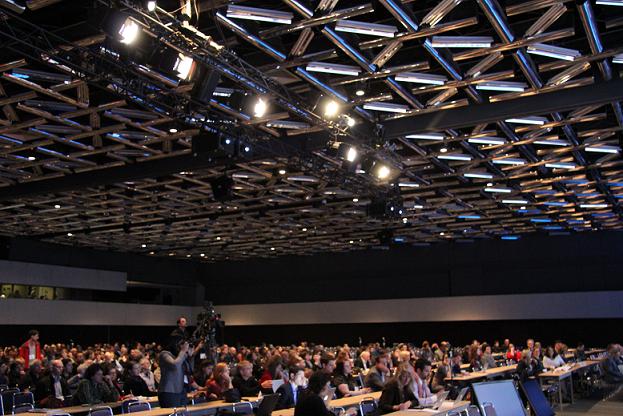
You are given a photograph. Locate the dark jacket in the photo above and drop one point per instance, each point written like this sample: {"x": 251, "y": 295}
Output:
{"x": 91, "y": 393}
{"x": 610, "y": 367}
{"x": 286, "y": 396}
{"x": 311, "y": 404}
{"x": 44, "y": 394}
{"x": 393, "y": 395}
{"x": 247, "y": 388}
{"x": 375, "y": 380}
{"x": 136, "y": 385}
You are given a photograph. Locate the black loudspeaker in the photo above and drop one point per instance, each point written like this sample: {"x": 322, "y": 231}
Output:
{"x": 205, "y": 85}
{"x": 222, "y": 187}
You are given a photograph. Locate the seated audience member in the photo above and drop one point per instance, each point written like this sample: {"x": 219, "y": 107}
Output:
{"x": 344, "y": 382}
{"x": 397, "y": 394}
{"x": 16, "y": 372}
{"x": 203, "y": 373}
{"x": 487, "y": 361}
{"x": 110, "y": 373}
{"x": 32, "y": 376}
{"x": 52, "y": 389}
{"x": 475, "y": 355}
{"x": 439, "y": 379}
{"x": 496, "y": 347}
{"x": 456, "y": 364}
{"x": 610, "y": 365}
{"x": 441, "y": 351}
{"x": 147, "y": 375}
{"x": 220, "y": 387}
{"x": 426, "y": 352}
{"x": 580, "y": 352}
{"x": 74, "y": 380}
{"x": 290, "y": 390}
{"x": 526, "y": 368}
{"x": 552, "y": 360}
{"x": 379, "y": 374}
{"x": 537, "y": 353}
{"x": 94, "y": 389}
{"x": 244, "y": 381}
{"x": 421, "y": 390}
{"x": 363, "y": 362}
{"x": 271, "y": 372}
{"x": 530, "y": 344}
{"x": 327, "y": 363}
{"x": 4, "y": 371}
{"x": 311, "y": 402}
{"x": 134, "y": 383}
{"x": 512, "y": 354}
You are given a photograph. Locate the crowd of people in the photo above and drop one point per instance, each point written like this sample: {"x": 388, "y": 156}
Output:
{"x": 59, "y": 375}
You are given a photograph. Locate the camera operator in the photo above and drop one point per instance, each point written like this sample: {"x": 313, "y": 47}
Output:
{"x": 181, "y": 331}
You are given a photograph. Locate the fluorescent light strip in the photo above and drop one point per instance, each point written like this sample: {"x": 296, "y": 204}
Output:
{"x": 603, "y": 149}
{"x": 469, "y": 217}
{"x": 514, "y": 201}
{"x": 552, "y": 142}
{"x": 509, "y": 161}
{"x": 510, "y": 237}
{"x": 287, "y": 124}
{"x": 409, "y": 184}
{"x": 365, "y": 28}
{"x": 478, "y": 175}
{"x": 461, "y": 41}
{"x": 560, "y": 165}
{"x": 540, "y": 220}
{"x": 486, "y": 140}
{"x": 426, "y": 136}
{"x": 617, "y": 59}
{"x": 454, "y": 156}
{"x": 539, "y": 121}
{"x": 419, "y": 78}
{"x": 554, "y": 51}
{"x": 593, "y": 205}
{"x": 498, "y": 190}
{"x": 502, "y": 86}
{"x": 555, "y": 204}
{"x": 263, "y": 15}
{"x": 388, "y": 107}
{"x": 610, "y": 2}
{"x": 223, "y": 92}
{"x": 330, "y": 68}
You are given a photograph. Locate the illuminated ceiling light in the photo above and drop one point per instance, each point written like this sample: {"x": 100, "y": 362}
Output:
{"x": 461, "y": 41}
{"x": 70, "y": 235}
{"x": 588, "y": 206}
{"x": 260, "y": 107}
{"x": 382, "y": 172}
{"x": 330, "y": 68}
{"x": 408, "y": 184}
{"x": 509, "y": 161}
{"x": 560, "y": 165}
{"x": 355, "y": 199}
{"x": 152, "y": 252}
{"x": 455, "y": 156}
{"x": 365, "y": 28}
{"x": 350, "y": 122}
{"x": 502, "y": 86}
{"x": 498, "y": 190}
{"x": 552, "y": 142}
{"x": 489, "y": 183}
{"x": 151, "y": 5}
{"x": 331, "y": 108}
{"x": 223, "y": 92}
{"x": 387, "y": 107}
{"x": 31, "y": 158}
{"x": 514, "y": 201}
{"x": 351, "y": 242}
{"x": 609, "y": 2}
{"x": 535, "y": 120}
{"x": 598, "y": 149}
{"x": 426, "y": 136}
{"x": 419, "y": 78}
{"x": 510, "y": 237}
{"x": 287, "y": 124}
{"x": 304, "y": 229}
{"x": 282, "y": 171}
{"x": 183, "y": 66}
{"x": 478, "y": 175}
{"x": 360, "y": 93}
{"x": 443, "y": 150}
{"x": 263, "y": 15}
{"x": 173, "y": 130}
{"x": 143, "y": 245}
{"x": 469, "y": 217}
{"x": 129, "y": 31}
{"x": 57, "y": 206}
{"x": 218, "y": 238}
{"x": 486, "y": 140}
{"x": 554, "y": 51}
{"x": 618, "y": 59}
{"x": 272, "y": 249}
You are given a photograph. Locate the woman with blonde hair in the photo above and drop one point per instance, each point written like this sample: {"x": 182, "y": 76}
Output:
{"x": 397, "y": 394}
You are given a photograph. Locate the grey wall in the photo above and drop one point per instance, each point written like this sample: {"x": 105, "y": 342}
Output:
{"x": 34, "y": 274}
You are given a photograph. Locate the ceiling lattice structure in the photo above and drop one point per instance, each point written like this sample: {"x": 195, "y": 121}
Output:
{"x": 74, "y": 107}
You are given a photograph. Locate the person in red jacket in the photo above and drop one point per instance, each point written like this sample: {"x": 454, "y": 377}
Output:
{"x": 31, "y": 350}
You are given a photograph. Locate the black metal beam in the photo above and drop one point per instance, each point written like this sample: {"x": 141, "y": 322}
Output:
{"x": 161, "y": 167}
{"x": 474, "y": 114}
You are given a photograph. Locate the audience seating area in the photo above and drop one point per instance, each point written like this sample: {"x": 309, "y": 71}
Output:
{"x": 361, "y": 377}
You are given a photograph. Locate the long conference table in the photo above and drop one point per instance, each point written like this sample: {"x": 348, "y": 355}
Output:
{"x": 566, "y": 372}
{"x": 447, "y": 406}
{"x": 476, "y": 375}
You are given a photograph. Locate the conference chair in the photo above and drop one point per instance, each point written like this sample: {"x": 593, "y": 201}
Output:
{"x": 472, "y": 410}
{"x": 23, "y": 398}
{"x": 7, "y": 400}
{"x": 198, "y": 400}
{"x": 22, "y": 408}
{"x": 101, "y": 411}
{"x": 126, "y": 404}
{"x": 367, "y": 406}
{"x": 488, "y": 409}
{"x": 138, "y": 406}
{"x": 239, "y": 408}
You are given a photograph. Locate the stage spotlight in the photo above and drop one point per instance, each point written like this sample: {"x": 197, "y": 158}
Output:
{"x": 381, "y": 171}
{"x": 151, "y": 5}
{"x": 350, "y": 122}
{"x": 344, "y": 151}
{"x": 378, "y": 169}
{"x": 360, "y": 93}
{"x": 183, "y": 66}
{"x": 260, "y": 107}
{"x": 128, "y": 32}
{"x": 331, "y": 108}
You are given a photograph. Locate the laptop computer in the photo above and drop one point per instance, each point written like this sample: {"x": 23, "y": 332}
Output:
{"x": 267, "y": 405}
{"x": 461, "y": 395}
{"x": 436, "y": 405}
{"x": 328, "y": 397}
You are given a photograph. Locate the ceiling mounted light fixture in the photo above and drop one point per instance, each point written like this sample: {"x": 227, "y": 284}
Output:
{"x": 461, "y": 41}
{"x": 263, "y": 15}
{"x": 365, "y": 28}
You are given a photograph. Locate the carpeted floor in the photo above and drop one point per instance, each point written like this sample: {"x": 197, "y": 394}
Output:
{"x": 595, "y": 407}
